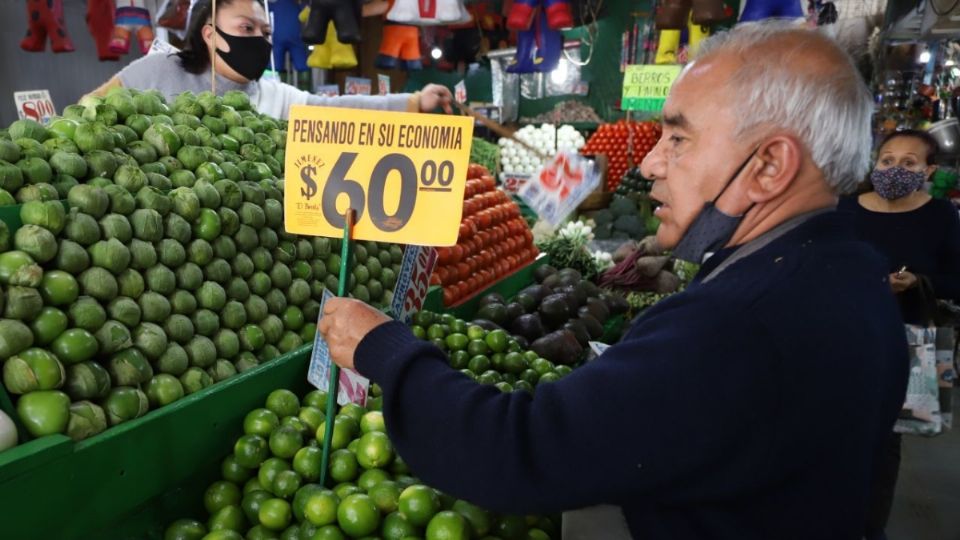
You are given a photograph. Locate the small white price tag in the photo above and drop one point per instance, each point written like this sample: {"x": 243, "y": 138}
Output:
{"x": 413, "y": 281}
{"x": 34, "y": 105}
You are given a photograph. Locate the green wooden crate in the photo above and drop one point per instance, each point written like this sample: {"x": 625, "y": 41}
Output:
{"x": 133, "y": 479}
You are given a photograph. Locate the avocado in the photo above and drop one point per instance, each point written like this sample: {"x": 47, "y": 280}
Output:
{"x": 528, "y": 302}
{"x": 596, "y": 308}
{"x": 496, "y": 313}
{"x": 579, "y": 330}
{"x": 492, "y": 298}
{"x": 514, "y": 310}
{"x": 560, "y": 347}
{"x": 616, "y": 304}
{"x": 523, "y": 342}
{"x": 543, "y": 272}
{"x": 537, "y": 291}
{"x": 594, "y": 328}
{"x": 529, "y": 326}
{"x": 552, "y": 281}
{"x": 568, "y": 274}
{"x": 555, "y": 310}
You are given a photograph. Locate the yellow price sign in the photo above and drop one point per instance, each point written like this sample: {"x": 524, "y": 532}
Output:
{"x": 403, "y": 174}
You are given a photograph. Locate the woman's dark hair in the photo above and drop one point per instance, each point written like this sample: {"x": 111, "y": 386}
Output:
{"x": 195, "y": 57}
{"x": 932, "y": 147}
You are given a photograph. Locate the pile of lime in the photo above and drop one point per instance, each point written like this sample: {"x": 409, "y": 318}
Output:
{"x": 269, "y": 486}
{"x": 486, "y": 356}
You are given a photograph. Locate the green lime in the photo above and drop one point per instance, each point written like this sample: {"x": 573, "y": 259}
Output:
{"x": 436, "y": 331}
{"x": 458, "y": 326}
{"x": 330, "y": 532}
{"x": 316, "y": 398}
{"x": 358, "y": 516}
{"x": 504, "y": 387}
{"x": 548, "y": 377}
{"x": 385, "y": 494}
{"x": 260, "y": 422}
{"x": 372, "y": 421}
{"x": 479, "y": 364}
{"x": 563, "y": 371}
{"x": 498, "y": 360}
{"x": 530, "y": 355}
{"x": 424, "y": 318}
{"x": 459, "y": 359}
{"x": 514, "y": 363}
{"x": 523, "y": 385}
{"x": 251, "y": 505}
{"x": 371, "y": 477}
{"x": 343, "y": 466}
{"x": 185, "y": 529}
{"x": 312, "y": 417}
{"x": 221, "y": 494}
{"x": 228, "y": 518}
{"x": 274, "y": 514}
{"x": 448, "y": 525}
{"x": 307, "y": 463}
{"x": 283, "y": 403}
{"x": 530, "y": 376}
{"x": 497, "y": 340}
{"x": 418, "y": 503}
{"x": 374, "y": 450}
{"x": 286, "y": 484}
{"x": 489, "y": 377}
{"x": 541, "y": 365}
{"x": 418, "y": 332}
{"x": 476, "y": 332}
{"x": 397, "y": 527}
{"x": 250, "y": 451}
{"x": 537, "y": 534}
{"x": 457, "y": 342}
{"x": 269, "y": 470}
{"x": 344, "y": 429}
{"x": 292, "y": 318}
{"x": 353, "y": 411}
{"x": 300, "y": 499}
{"x": 399, "y": 466}
{"x": 233, "y": 471}
{"x": 262, "y": 533}
{"x": 476, "y": 517}
{"x": 511, "y": 527}
{"x": 285, "y": 441}
{"x": 477, "y": 346}
{"x": 345, "y": 489}
{"x": 321, "y": 508}
{"x": 252, "y": 485}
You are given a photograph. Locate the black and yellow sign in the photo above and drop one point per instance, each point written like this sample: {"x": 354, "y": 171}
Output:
{"x": 402, "y": 173}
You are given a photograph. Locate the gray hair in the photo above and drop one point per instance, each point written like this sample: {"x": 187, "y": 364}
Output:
{"x": 829, "y": 107}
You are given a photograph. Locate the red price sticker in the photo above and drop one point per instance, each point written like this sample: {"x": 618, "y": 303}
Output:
{"x": 413, "y": 281}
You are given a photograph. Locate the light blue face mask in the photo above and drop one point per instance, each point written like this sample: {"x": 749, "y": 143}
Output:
{"x": 711, "y": 229}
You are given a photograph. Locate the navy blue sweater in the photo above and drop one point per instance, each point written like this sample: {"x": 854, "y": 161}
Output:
{"x": 745, "y": 408}
{"x": 925, "y": 240}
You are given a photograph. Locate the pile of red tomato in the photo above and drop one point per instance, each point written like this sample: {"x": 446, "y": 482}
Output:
{"x": 494, "y": 241}
{"x": 614, "y": 141}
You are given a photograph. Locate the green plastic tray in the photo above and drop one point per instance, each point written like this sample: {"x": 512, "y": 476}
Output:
{"x": 133, "y": 479}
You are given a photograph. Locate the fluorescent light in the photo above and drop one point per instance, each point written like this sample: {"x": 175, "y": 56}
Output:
{"x": 925, "y": 57}
{"x": 436, "y": 53}
{"x": 950, "y": 63}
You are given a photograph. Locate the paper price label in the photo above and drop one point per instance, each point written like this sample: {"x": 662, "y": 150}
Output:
{"x": 403, "y": 174}
{"x": 34, "y": 105}
{"x": 353, "y": 387}
{"x": 383, "y": 84}
{"x": 413, "y": 282}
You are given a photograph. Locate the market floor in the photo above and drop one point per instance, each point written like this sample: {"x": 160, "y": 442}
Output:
{"x": 928, "y": 491}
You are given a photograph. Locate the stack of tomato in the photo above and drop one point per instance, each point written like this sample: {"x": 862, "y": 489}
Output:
{"x": 614, "y": 140}
{"x": 494, "y": 241}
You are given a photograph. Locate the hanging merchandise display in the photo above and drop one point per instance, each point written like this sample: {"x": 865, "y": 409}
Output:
{"x": 45, "y": 19}
{"x": 100, "y": 22}
{"x": 522, "y": 13}
{"x": 332, "y": 53}
{"x": 428, "y": 12}
{"x": 757, "y": 10}
{"x": 133, "y": 18}
{"x": 285, "y": 20}
{"x": 538, "y": 47}
{"x": 345, "y": 15}
{"x": 399, "y": 47}
{"x": 174, "y": 14}
{"x": 694, "y": 16}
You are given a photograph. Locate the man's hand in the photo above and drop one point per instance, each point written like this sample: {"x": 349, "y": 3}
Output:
{"x": 435, "y": 95}
{"x": 901, "y": 281}
{"x": 344, "y": 324}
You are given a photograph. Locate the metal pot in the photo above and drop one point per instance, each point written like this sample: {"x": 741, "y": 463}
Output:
{"x": 947, "y": 134}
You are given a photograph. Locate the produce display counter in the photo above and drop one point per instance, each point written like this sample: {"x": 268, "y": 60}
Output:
{"x": 133, "y": 479}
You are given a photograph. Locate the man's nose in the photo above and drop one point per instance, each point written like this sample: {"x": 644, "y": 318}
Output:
{"x": 653, "y": 166}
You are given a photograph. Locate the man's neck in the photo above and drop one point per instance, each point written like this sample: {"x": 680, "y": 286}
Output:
{"x": 770, "y": 215}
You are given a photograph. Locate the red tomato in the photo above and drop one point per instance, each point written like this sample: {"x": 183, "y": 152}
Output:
{"x": 449, "y": 296}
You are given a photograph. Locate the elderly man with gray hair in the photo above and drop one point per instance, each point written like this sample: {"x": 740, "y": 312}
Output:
{"x": 749, "y": 406}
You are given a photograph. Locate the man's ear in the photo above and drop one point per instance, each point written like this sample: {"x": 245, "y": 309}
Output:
{"x": 780, "y": 160}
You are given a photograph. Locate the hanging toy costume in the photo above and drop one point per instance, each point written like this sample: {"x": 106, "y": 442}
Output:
{"x": 100, "y": 24}
{"x": 400, "y": 46}
{"x": 45, "y": 19}
{"x": 286, "y": 35}
{"x": 539, "y": 41}
{"x": 757, "y": 10}
{"x": 344, "y": 14}
{"x": 132, "y": 18}
{"x": 558, "y": 14}
{"x": 696, "y": 16}
{"x": 331, "y": 54}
